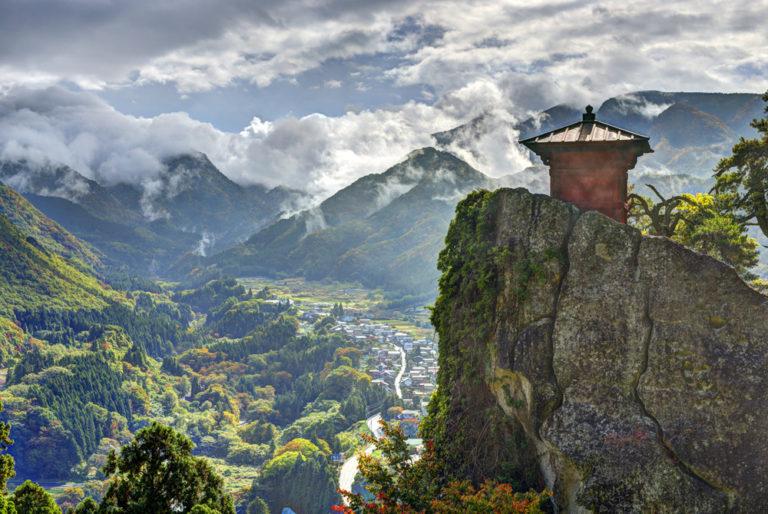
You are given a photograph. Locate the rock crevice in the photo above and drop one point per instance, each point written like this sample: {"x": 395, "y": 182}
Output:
{"x": 670, "y": 451}
{"x": 633, "y": 367}
{"x": 555, "y": 306}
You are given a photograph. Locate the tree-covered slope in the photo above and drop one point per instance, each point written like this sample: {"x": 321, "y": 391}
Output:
{"x": 143, "y": 248}
{"x": 32, "y": 276}
{"x": 45, "y": 231}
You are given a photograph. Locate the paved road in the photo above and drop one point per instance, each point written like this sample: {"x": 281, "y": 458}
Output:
{"x": 349, "y": 468}
{"x": 399, "y": 376}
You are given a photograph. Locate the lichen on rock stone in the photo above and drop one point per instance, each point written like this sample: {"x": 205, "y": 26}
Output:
{"x": 625, "y": 372}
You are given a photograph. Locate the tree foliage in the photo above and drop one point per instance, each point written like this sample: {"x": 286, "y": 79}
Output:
{"x": 75, "y": 398}
{"x": 30, "y": 498}
{"x": 6, "y": 461}
{"x": 6, "y": 467}
{"x": 87, "y": 506}
{"x": 703, "y": 222}
{"x": 399, "y": 485}
{"x": 156, "y": 472}
{"x": 299, "y": 476}
{"x": 743, "y": 176}
{"x": 708, "y": 227}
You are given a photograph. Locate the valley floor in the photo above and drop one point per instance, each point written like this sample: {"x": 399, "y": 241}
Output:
{"x": 395, "y": 350}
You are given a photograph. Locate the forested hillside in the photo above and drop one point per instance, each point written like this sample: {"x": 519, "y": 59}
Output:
{"x": 86, "y": 366}
{"x": 246, "y": 386}
{"x": 191, "y": 207}
{"x": 32, "y": 276}
{"x": 46, "y": 231}
{"x": 382, "y": 231}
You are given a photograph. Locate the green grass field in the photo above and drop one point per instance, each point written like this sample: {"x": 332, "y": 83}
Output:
{"x": 303, "y": 291}
{"x": 352, "y": 296}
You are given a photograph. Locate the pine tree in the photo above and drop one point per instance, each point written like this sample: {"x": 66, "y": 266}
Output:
{"x": 744, "y": 176}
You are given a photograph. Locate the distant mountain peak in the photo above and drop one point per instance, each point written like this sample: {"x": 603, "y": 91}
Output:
{"x": 382, "y": 230}
{"x": 424, "y": 160}
{"x": 47, "y": 179}
{"x": 684, "y": 125}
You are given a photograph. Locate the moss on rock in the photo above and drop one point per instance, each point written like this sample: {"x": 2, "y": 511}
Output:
{"x": 578, "y": 354}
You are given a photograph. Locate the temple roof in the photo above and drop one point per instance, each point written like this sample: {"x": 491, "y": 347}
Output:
{"x": 588, "y": 130}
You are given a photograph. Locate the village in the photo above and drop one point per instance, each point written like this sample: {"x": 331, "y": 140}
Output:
{"x": 396, "y": 360}
{"x": 400, "y": 354}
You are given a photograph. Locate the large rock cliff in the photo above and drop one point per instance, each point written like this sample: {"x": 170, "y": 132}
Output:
{"x": 624, "y": 372}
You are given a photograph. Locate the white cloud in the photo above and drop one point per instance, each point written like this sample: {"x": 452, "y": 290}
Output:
{"x": 468, "y": 57}
{"x": 547, "y": 53}
{"x": 647, "y": 109}
{"x": 82, "y": 131}
{"x": 318, "y": 154}
{"x": 322, "y": 154}
{"x": 539, "y": 51}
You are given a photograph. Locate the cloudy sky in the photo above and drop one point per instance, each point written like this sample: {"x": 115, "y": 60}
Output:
{"x": 314, "y": 93}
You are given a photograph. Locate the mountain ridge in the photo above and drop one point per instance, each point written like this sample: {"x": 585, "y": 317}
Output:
{"x": 191, "y": 211}
{"x": 363, "y": 233}
{"x": 690, "y": 132}
{"x": 191, "y": 207}
{"x": 45, "y": 231}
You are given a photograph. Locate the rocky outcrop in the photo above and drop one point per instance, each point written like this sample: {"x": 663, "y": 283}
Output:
{"x": 625, "y": 372}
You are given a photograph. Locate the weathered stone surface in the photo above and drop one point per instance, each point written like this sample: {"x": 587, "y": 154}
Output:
{"x": 634, "y": 367}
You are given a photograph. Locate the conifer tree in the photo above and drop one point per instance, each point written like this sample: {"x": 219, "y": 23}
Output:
{"x": 744, "y": 176}
{"x": 30, "y": 498}
{"x": 156, "y": 472}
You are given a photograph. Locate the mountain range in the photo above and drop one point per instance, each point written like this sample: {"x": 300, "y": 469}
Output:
{"x": 689, "y": 132}
{"x": 190, "y": 208}
{"x": 385, "y": 229}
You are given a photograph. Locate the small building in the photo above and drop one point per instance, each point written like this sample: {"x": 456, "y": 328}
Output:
{"x": 588, "y": 163}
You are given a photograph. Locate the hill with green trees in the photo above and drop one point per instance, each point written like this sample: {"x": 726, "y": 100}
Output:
{"x": 85, "y": 368}
{"x": 225, "y": 366}
{"x": 32, "y": 276}
{"x": 384, "y": 230}
{"x": 191, "y": 208}
{"x": 45, "y": 231}
{"x": 154, "y": 472}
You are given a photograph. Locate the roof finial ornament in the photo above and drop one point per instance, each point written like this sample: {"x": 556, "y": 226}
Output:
{"x": 589, "y": 115}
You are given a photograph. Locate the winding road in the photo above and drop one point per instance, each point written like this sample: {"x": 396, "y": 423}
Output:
{"x": 399, "y": 376}
{"x": 348, "y": 470}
